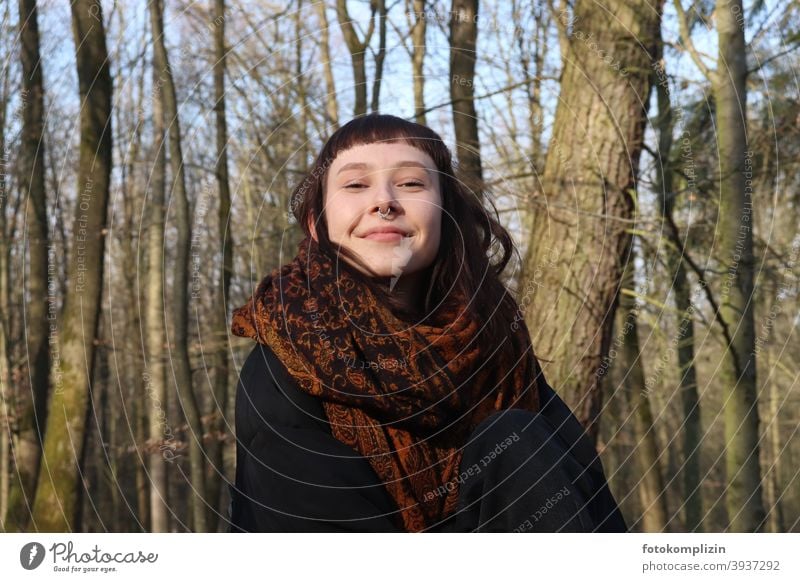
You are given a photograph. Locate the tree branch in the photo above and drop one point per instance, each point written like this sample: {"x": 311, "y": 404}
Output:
{"x": 687, "y": 41}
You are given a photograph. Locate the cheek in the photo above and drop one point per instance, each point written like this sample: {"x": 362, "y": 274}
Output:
{"x": 432, "y": 217}
{"x": 433, "y": 231}
{"x": 341, "y": 217}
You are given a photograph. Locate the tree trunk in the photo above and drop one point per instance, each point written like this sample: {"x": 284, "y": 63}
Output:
{"x": 418, "y": 48}
{"x": 533, "y": 83}
{"x": 135, "y": 262}
{"x": 652, "y": 493}
{"x": 734, "y": 232}
{"x": 140, "y": 412}
{"x": 6, "y": 402}
{"x": 300, "y": 88}
{"x": 379, "y": 56}
{"x": 180, "y": 296}
{"x": 777, "y": 518}
{"x": 358, "y": 51}
{"x": 690, "y": 399}
{"x": 155, "y": 376}
{"x": 218, "y": 425}
{"x": 331, "y": 107}
{"x": 579, "y": 234}
{"x": 55, "y": 503}
{"x": 463, "y": 41}
{"x": 692, "y": 430}
{"x": 28, "y": 449}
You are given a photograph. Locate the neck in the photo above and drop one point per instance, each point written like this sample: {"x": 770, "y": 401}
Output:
{"x": 410, "y": 289}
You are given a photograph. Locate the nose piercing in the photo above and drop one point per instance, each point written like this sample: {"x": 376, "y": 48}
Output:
{"x": 384, "y": 214}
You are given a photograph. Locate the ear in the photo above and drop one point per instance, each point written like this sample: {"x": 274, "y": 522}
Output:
{"x": 312, "y": 227}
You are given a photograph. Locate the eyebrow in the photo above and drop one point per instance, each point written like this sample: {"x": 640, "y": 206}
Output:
{"x": 363, "y": 166}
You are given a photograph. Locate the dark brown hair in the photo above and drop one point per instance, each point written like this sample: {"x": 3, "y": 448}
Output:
{"x": 469, "y": 232}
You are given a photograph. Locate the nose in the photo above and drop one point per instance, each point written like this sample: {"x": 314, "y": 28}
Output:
{"x": 384, "y": 197}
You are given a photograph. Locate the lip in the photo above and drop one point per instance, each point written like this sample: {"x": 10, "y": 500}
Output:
{"x": 385, "y": 234}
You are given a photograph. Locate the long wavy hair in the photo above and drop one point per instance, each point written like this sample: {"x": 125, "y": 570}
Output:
{"x": 474, "y": 248}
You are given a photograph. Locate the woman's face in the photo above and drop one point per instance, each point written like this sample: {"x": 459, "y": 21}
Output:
{"x": 374, "y": 176}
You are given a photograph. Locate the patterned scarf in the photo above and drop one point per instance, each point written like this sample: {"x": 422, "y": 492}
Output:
{"x": 404, "y": 396}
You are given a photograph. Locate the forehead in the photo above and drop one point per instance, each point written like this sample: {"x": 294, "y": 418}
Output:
{"x": 381, "y": 155}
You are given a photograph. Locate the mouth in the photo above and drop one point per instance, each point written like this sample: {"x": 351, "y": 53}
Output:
{"x": 386, "y": 234}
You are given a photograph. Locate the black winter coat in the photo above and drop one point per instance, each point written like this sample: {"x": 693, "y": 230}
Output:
{"x": 292, "y": 475}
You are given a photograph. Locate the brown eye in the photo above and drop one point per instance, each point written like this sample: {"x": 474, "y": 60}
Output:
{"x": 355, "y": 185}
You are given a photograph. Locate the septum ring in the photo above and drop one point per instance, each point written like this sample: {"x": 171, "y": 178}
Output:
{"x": 385, "y": 214}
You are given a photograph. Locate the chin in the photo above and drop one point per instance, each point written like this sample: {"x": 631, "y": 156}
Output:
{"x": 389, "y": 261}
{"x": 384, "y": 268}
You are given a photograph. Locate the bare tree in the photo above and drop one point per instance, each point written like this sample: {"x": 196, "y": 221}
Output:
{"x": 463, "y": 40}
{"x": 28, "y": 444}
{"x": 729, "y": 81}
{"x": 743, "y": 494}
{"x": 380, "y": 56}
{"x": 182, "y": 372}
{"x": 358, "y": 52}
{"x": 6, "y": 401}
{"x": 56, "y": 498}
{"x": 651, "y": 490}
{"x": 665, "y": 190}
{"x": 418, "y": 31}
{"x": 156, "y": 339}
{"x": 226, "y": 240}
{"x": 532, "y": 52}
{"x": 331, "y": 107}
{"x": 580, "y": 231}
{"x": 131, "y": 112}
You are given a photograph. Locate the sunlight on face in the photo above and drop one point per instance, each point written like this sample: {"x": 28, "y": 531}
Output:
{"x": 368, "y": 177}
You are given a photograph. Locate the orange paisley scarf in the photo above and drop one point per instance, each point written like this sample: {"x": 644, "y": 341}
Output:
{"x": 404, "y": 396}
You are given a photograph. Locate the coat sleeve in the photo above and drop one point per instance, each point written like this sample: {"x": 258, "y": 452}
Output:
{"x": 569, "y": 430}
{"x": 292, "y": 475}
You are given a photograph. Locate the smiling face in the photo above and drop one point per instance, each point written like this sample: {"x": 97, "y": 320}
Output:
{"x": 366, "y": 178}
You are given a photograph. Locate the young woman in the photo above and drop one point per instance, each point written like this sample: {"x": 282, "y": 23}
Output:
{"x": 393, "y": 386}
